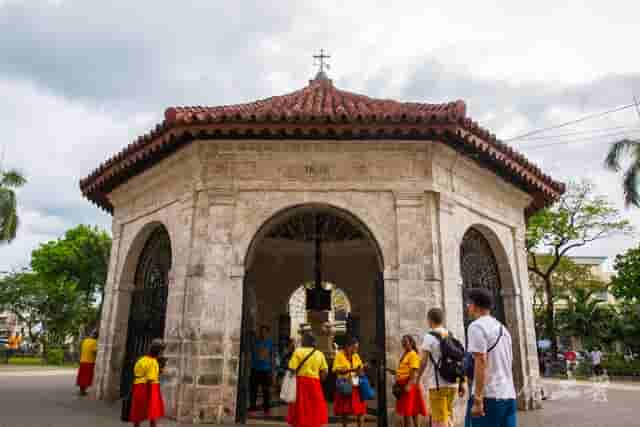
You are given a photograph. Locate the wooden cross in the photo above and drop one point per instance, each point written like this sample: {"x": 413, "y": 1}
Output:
{"x": 322, "y": 57}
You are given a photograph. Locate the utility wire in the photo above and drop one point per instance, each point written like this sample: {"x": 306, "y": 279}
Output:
{"x": 583, "y": 140}
{"x": 562, "y": 135}
{"x": 572, "y": 122}
{"x": 584, "y": 137}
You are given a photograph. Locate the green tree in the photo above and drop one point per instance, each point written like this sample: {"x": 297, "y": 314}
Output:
{"x": 625, "y": 284}
{"x": 80, "y": 257}
{"x": 578, "y": 218}
{"x": 585, "y": 316}
{"x": 9, "y": 221}
{"x": 620, "y": 151}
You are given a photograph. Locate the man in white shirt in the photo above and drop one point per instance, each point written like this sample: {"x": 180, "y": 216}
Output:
{"x": 441, "y": 392}
{"x": 494, "y": 394}
{"x": 596, "y": 361}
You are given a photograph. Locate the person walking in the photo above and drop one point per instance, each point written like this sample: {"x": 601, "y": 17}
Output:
{"x": 310, "y": 365}
{"x": 494, "y": 393}
{"x": 410, "y": 403}
{"x": 146, "y": 398}
{"x": 88, "y": 352}
{"x": 262, "y": 373}
{"x": 442, "y": 392}
{"x": 596, "y": 362}
{"x": 348, "y": 367}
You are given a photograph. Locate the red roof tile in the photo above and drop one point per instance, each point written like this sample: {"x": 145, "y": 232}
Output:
{"x": 321, "y": 111}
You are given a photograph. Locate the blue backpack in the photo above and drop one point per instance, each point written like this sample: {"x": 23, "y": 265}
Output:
{"x": 468, "y": 362}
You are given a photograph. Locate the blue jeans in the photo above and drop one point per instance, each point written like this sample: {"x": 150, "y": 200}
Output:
{"x": 498, "y": 413}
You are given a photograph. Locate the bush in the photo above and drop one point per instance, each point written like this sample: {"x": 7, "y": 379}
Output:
{"x": 55, "y": 356}
{"x": 617, "y": 366}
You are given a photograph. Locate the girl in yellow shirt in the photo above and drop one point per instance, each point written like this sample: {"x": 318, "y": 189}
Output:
{"x": 310, "y": 365}
{"x": 411, "y": 403}
{"x": 348, "y": 366}
{"x": 146, "y": 398}
{"x": 88, "y": 351}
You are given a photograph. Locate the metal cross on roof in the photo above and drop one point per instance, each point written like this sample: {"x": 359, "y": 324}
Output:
{"x": 320, "y": 60}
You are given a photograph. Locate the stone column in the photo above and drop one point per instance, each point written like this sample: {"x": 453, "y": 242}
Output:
{"x": 208, "y": 295}
{"x": 411, "y": 221}
{"x": 450, "y": 255}
{"x": 106, "y": 386}
{"x": 529, "y": 397}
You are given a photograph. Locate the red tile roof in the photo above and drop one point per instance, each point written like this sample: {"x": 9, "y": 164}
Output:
{"x": 322, "y": 111}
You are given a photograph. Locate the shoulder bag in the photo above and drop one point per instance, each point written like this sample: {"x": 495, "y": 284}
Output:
{"x": 290, "y": 382}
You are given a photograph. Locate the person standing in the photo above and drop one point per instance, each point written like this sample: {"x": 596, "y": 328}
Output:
{"x": 310, "y": 365}
{"x": 262, "y": 362}
{"x": 410, "y": 404}
{"x": 13, "y": 345}
{"x": 596, "y": 361}
{"x": 494, "y": 393}
{"x": 146, "y": 398}
{"x": 348, "y": 367}
{"x": 442, "y": 393}
{"x": 88, "y": 352}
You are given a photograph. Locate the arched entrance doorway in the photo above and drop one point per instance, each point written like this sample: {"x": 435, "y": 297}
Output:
{"x": 312, "y": 246}
{"x": 479, "y": 269}
{"x": 147, "y": 312}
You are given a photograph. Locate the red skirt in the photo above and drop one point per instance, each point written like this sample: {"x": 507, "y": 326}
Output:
{"x": 146, "y": 403}
{"x": 85, "y": 375}
{"x": 310, "y": 408}
{"x": 349, "y": 405}
{"x": 411, "y": 403}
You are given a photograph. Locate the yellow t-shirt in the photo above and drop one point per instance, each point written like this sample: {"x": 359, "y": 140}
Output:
{"x": 14, "y": 342}
{"x": 146, "y": 370}
{"x": 410, "y": 361}
{"x": 341, "y": 362}
{"x": 312, "y": 366}
{"x": 88, "y": 350}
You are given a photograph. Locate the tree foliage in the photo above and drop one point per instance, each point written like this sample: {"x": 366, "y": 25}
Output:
{"x": 9, "y": 220}
{"x": 625, "y": 284}
{"x": 620, "y": 151}
{"x": 57, "y": 296}
{"x": 577, "y": 219}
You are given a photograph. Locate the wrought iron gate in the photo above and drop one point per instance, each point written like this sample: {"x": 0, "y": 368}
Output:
{"x": 479, "y": 269}
{"x": 148, "y": 302}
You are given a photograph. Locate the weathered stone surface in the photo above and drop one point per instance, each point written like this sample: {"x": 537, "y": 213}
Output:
{"x": 414, "y": 200}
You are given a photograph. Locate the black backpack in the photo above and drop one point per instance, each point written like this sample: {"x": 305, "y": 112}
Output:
{"x": 451, "y": 363}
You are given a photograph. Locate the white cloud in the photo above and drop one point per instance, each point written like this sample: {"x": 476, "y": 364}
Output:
{"x": 79, "y": 79}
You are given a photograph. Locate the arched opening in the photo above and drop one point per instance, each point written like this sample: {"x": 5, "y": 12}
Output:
{"x": 479, "y": 269}
{"x": 300, "y": 249}
{"x": 147, "y": 312}
{"x": 339, "y": 314}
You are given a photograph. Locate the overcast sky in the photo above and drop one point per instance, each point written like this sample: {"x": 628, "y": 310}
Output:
{"x": 80, "y": 79}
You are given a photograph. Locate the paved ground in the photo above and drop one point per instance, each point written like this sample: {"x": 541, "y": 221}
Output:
{"x": 44, "y": 397}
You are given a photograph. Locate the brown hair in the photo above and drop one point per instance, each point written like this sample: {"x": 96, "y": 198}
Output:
{"x": 412, "y": 342}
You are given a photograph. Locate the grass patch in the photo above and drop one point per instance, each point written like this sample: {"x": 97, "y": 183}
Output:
{"x": 37, "y": 361}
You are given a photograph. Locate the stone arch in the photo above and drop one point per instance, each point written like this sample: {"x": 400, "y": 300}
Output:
{"x": 254, "y": 211}
{"x": 285, "y": 213}
{"x": 509, "y": 293}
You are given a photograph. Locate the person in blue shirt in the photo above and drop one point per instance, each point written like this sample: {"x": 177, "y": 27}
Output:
{"x": 262, "y": 362}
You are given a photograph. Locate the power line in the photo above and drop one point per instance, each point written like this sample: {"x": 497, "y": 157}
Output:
{"x": 572, "y": 122}
{"x": 562, "y": 135}
{"x": 583, "y": 140}
{"x": 583, "y": 137}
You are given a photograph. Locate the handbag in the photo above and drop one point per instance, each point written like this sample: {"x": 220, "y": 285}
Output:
{"x": 366, "y": 391}
{"x": 398, "y": 389}
{"x": 344, "y": 386}
{"x": 288, "y": 392}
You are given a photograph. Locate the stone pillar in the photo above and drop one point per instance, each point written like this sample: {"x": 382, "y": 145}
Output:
{"x": 451, "y": 276}
{"x": 106, "y": 385}
{"x": 206, "y": 353}
{"x": 529, "y": 396}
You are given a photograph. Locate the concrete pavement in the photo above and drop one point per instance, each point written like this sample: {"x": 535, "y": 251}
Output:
{"x": 45, "y": 397}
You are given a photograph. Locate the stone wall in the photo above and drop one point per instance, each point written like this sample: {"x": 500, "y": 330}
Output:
{"x": 217, "y": 199}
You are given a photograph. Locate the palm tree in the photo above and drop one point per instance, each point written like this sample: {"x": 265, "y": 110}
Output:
{"x": 9, "y": 221}
{"x": 619, "y": 151}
